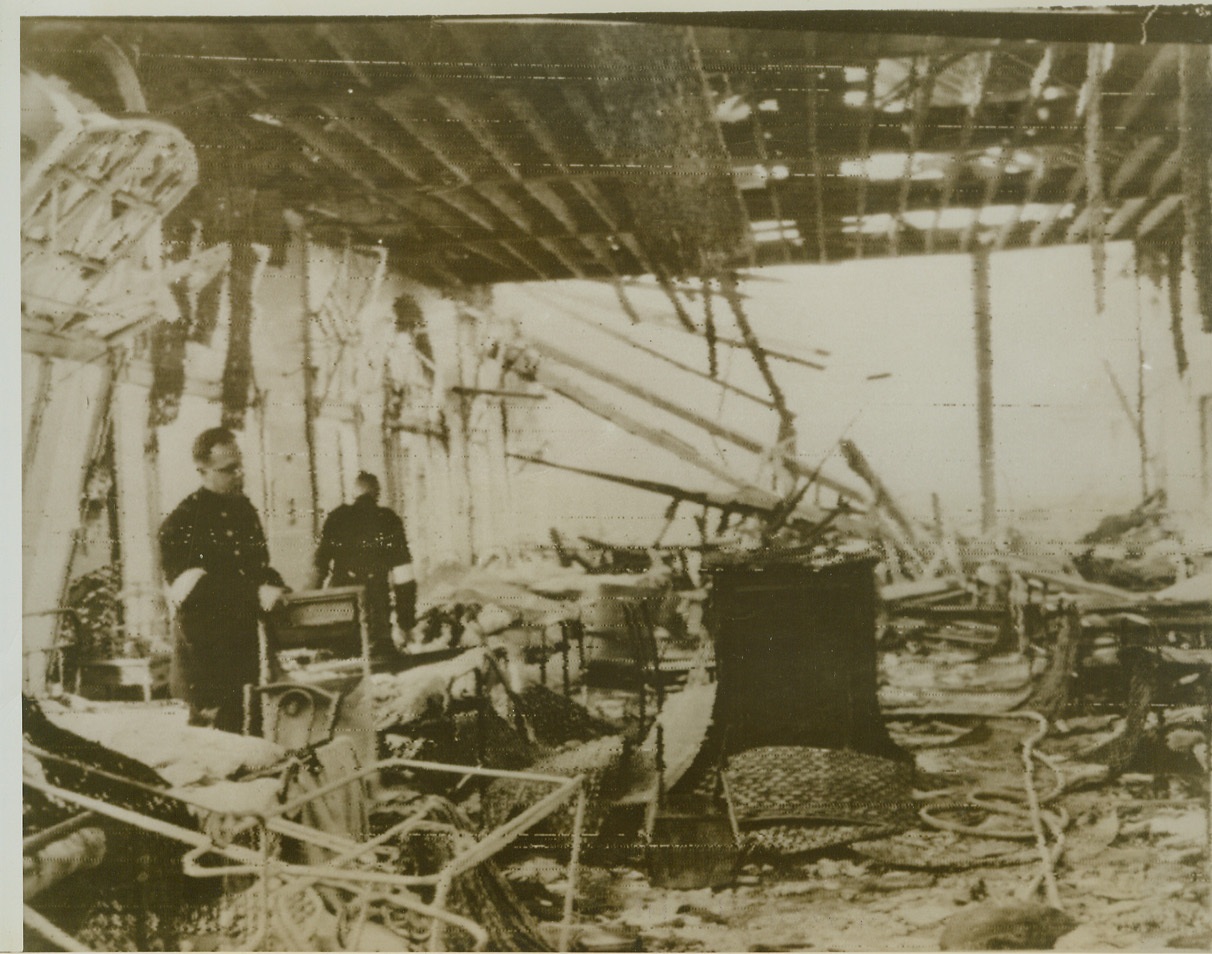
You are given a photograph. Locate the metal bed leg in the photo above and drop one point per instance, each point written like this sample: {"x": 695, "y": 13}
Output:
{"x": 574, "y": 860}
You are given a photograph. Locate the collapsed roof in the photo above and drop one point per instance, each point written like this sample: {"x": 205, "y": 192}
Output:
{"x": 482, "y": 151}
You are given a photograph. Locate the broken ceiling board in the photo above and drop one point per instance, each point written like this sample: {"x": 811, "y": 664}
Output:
{"x": 505, "y": 150}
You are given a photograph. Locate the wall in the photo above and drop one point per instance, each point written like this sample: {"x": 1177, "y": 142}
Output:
{"x": 900, "y": 382}
{"x": 348, "y": 437}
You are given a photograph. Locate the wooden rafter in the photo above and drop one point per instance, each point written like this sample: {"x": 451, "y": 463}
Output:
{"x": 865, "y": 126}
{"x": 959, "y": 159}
{"x": 431, "y": 210}
{"x": 1135, "y": 162}
{"x": 1046, "y": 224}
{"x": 1164, "y": 63}
{"x": 510, "y": 246}
{"x": 1128, "y": 210}
{"x": 1095, "y": 196}
{"x": 403, "y": 200}
{"x": 772, "y": 187}
{"x": 443, "y": 211}
{"x": 335, "y": 36}
{"x": 814, "y": 153}
{"x": 726, "y": 502}
{"x": 478, "y": 128}
{"x": 579, "y": 105}
{"x": 673, "y": 362}
{"x": 728, "y": 287}
{"x": 1045, "y": 68}
{"x": 739, "y": 438}
{"x": 679, "y": 310}
{"x": 1159, "y": 214}
{"x": 920, "y": 93}
{"x": 1038, "y": 175}
{"x": 525, "y": 111}
{"x": 552, "y": 379}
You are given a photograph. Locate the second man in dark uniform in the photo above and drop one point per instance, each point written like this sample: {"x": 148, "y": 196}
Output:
{"x": 363, "y": 544}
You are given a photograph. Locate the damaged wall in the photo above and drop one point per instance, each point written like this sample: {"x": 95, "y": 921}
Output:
{"x": 900, "y": 383}
{"x": 66, "y": 401}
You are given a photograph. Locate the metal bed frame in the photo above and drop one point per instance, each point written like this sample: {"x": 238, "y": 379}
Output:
{"x": 276, "y": 878}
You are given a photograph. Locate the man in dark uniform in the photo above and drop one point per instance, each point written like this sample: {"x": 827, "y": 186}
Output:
{"x": 363, "y": 544}
{"x": 216, "y": 560}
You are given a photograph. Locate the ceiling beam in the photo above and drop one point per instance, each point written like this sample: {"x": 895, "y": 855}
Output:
{"x": 1164, "y": 62}
{"x": 1038, "y": 175}
{"x": 920, "y": 93}
{"x": 1044, "y": 69}
{"x": 741, "y": 439}
{"x": 476, "y": 127}
{"x": 1124, "y": 215}
{"x": 402, "y": 200}
{"x": 864, "y": 154}
{"x": 551, "y": 378}
{"x": 772, "y": 187}
{"x": 1132, "y": 25}
{"x": 959, "y": 159}
{"x": 334, "y": 36}
{"x": 579, "y": 105}
{"x": 673, "y": 362}
{"x": 1164, "y": 209}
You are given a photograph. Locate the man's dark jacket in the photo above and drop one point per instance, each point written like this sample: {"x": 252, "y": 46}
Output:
{"x": 216, "y": 651}
{"x": 360, "y": 545}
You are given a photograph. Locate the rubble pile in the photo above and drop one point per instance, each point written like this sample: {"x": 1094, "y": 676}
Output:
{"x": 943, "y": 853}
{"x": 1142, "y": 550}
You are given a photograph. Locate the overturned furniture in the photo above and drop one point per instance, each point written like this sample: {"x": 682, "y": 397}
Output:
{"x": 797, "y": 756}
{"x": 320, "y": 644}
{"x": 329, "y": 625}
{"x": 299, "y": 865}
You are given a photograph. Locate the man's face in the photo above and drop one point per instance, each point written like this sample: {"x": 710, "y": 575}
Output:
{"x": 224, "y": 472}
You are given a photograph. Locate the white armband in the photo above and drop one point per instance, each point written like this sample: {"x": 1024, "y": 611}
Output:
{"x": 269, "y": 596}
{"x": 183, "y": 585}
{"x": 402, "y": 574}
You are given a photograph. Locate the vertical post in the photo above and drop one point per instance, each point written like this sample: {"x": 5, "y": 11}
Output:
{"x": 279, "y": 341}
{"x": 309, "y": 374}
{"x": 49, "y": 498}
{"x": 543, "y": 656}
{"x": 570, "y": 892}
{"x": 565, "y": 649}
{"x": 1140, "y": 401}
{"x": 139, "y": 515}
{"x": 984, "y": 386}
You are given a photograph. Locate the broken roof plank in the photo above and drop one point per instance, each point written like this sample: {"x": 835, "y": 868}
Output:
{"x": 864, "y": 156}
{"x": 920, "y": 93}
{"x": 673, "y": 362}
{"x": 555, "y": 381}
{"x": 1163, "y": 64}
{"x": 1044, "y": 69}
{"x": 1038, "y": 175}
{"x": 734, "y": 502}
{"x": 959, "y": 157}
{"x": 733, "y": 436}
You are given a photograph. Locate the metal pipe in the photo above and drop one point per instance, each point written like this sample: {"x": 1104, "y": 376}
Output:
{"x": 53, "y": 934}
{"x": 578, "y": 823}
{"x": 41, "y": 839}
{"x": 261, "y": 864}
{"x": 137, "y": 819}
